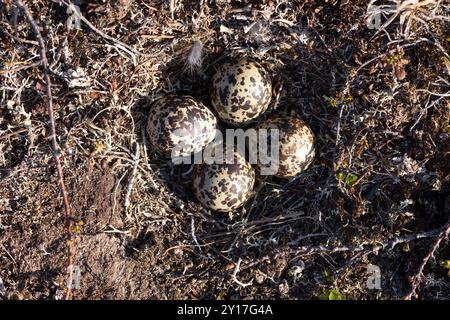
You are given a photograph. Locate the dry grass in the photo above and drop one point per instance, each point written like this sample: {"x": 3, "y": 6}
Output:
{"x": 376, "y": 100}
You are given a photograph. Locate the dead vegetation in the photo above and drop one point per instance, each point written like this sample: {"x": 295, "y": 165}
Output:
{"x": 377, "y": 193}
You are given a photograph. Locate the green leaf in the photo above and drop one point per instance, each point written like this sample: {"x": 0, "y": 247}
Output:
{"x": 334, "y": 294}
{"x": 348, "y": 178}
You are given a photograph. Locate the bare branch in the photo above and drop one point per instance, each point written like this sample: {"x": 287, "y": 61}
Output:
{"x": 365, "y": 249}
{"x": 55, "y": 147}
{"x": 417, "y": 279}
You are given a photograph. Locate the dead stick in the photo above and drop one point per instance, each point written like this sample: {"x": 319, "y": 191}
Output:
{"x": 10, "y": 134}
{"x": 416, "y": 280}
{"x": 119, "y": 44}
{"x": 19, "y": 68}
{"x": 365, "y": 248}
{"x": 55, "y": 147}
{"x": 132, "y": 177}
{"x": 128, "y": 49}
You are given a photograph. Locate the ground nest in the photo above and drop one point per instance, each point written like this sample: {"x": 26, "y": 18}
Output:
{"x": 376, "y": 197}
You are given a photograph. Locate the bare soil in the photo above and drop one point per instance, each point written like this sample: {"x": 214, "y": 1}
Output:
{"x": 377, "y": 101}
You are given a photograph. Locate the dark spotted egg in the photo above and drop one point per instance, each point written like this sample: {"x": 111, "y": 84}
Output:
{"x": 224, "y": 187}
{"x": 241, "y": 91}
{"x": 295, "y": 145}
{"x": 180, "y": 125}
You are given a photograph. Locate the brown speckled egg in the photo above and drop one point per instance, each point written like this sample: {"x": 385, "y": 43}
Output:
{"x": 296, "y": 145}
{"x": 180, "y": 125}
{"x": 224, "y": 187}
{"x": 241, "y": 91}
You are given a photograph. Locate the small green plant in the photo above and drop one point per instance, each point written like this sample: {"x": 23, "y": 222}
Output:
{"x": 331, "y": 294}
{"x": 78, "y": 225}
{"x": 349, "y": 179}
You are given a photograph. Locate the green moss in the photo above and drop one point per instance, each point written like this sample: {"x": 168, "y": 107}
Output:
{"x": 395, "y": 58}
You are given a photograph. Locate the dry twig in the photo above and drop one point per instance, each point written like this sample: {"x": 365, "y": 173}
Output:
{"x": 417, "y": 279}
{"x": 20, "y": 68}
{"x": 54, "y": 142}
{"x": 234, "y": 275}
{"x": 117, "y": 43}
{"x": 362, "y": 250}
{"x": 10, "y": 134}
{"x": 132, "y": 177}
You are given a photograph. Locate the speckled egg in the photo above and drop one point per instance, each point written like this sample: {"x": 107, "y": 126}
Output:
{"x": 224, "y": 187}
{"x": 295, "y": 147}
{"x": 241, "y": 91}
{"x": 180, "y": 125}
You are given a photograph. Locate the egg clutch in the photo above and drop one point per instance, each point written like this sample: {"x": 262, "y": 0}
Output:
{"x": 241, "y": 91}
